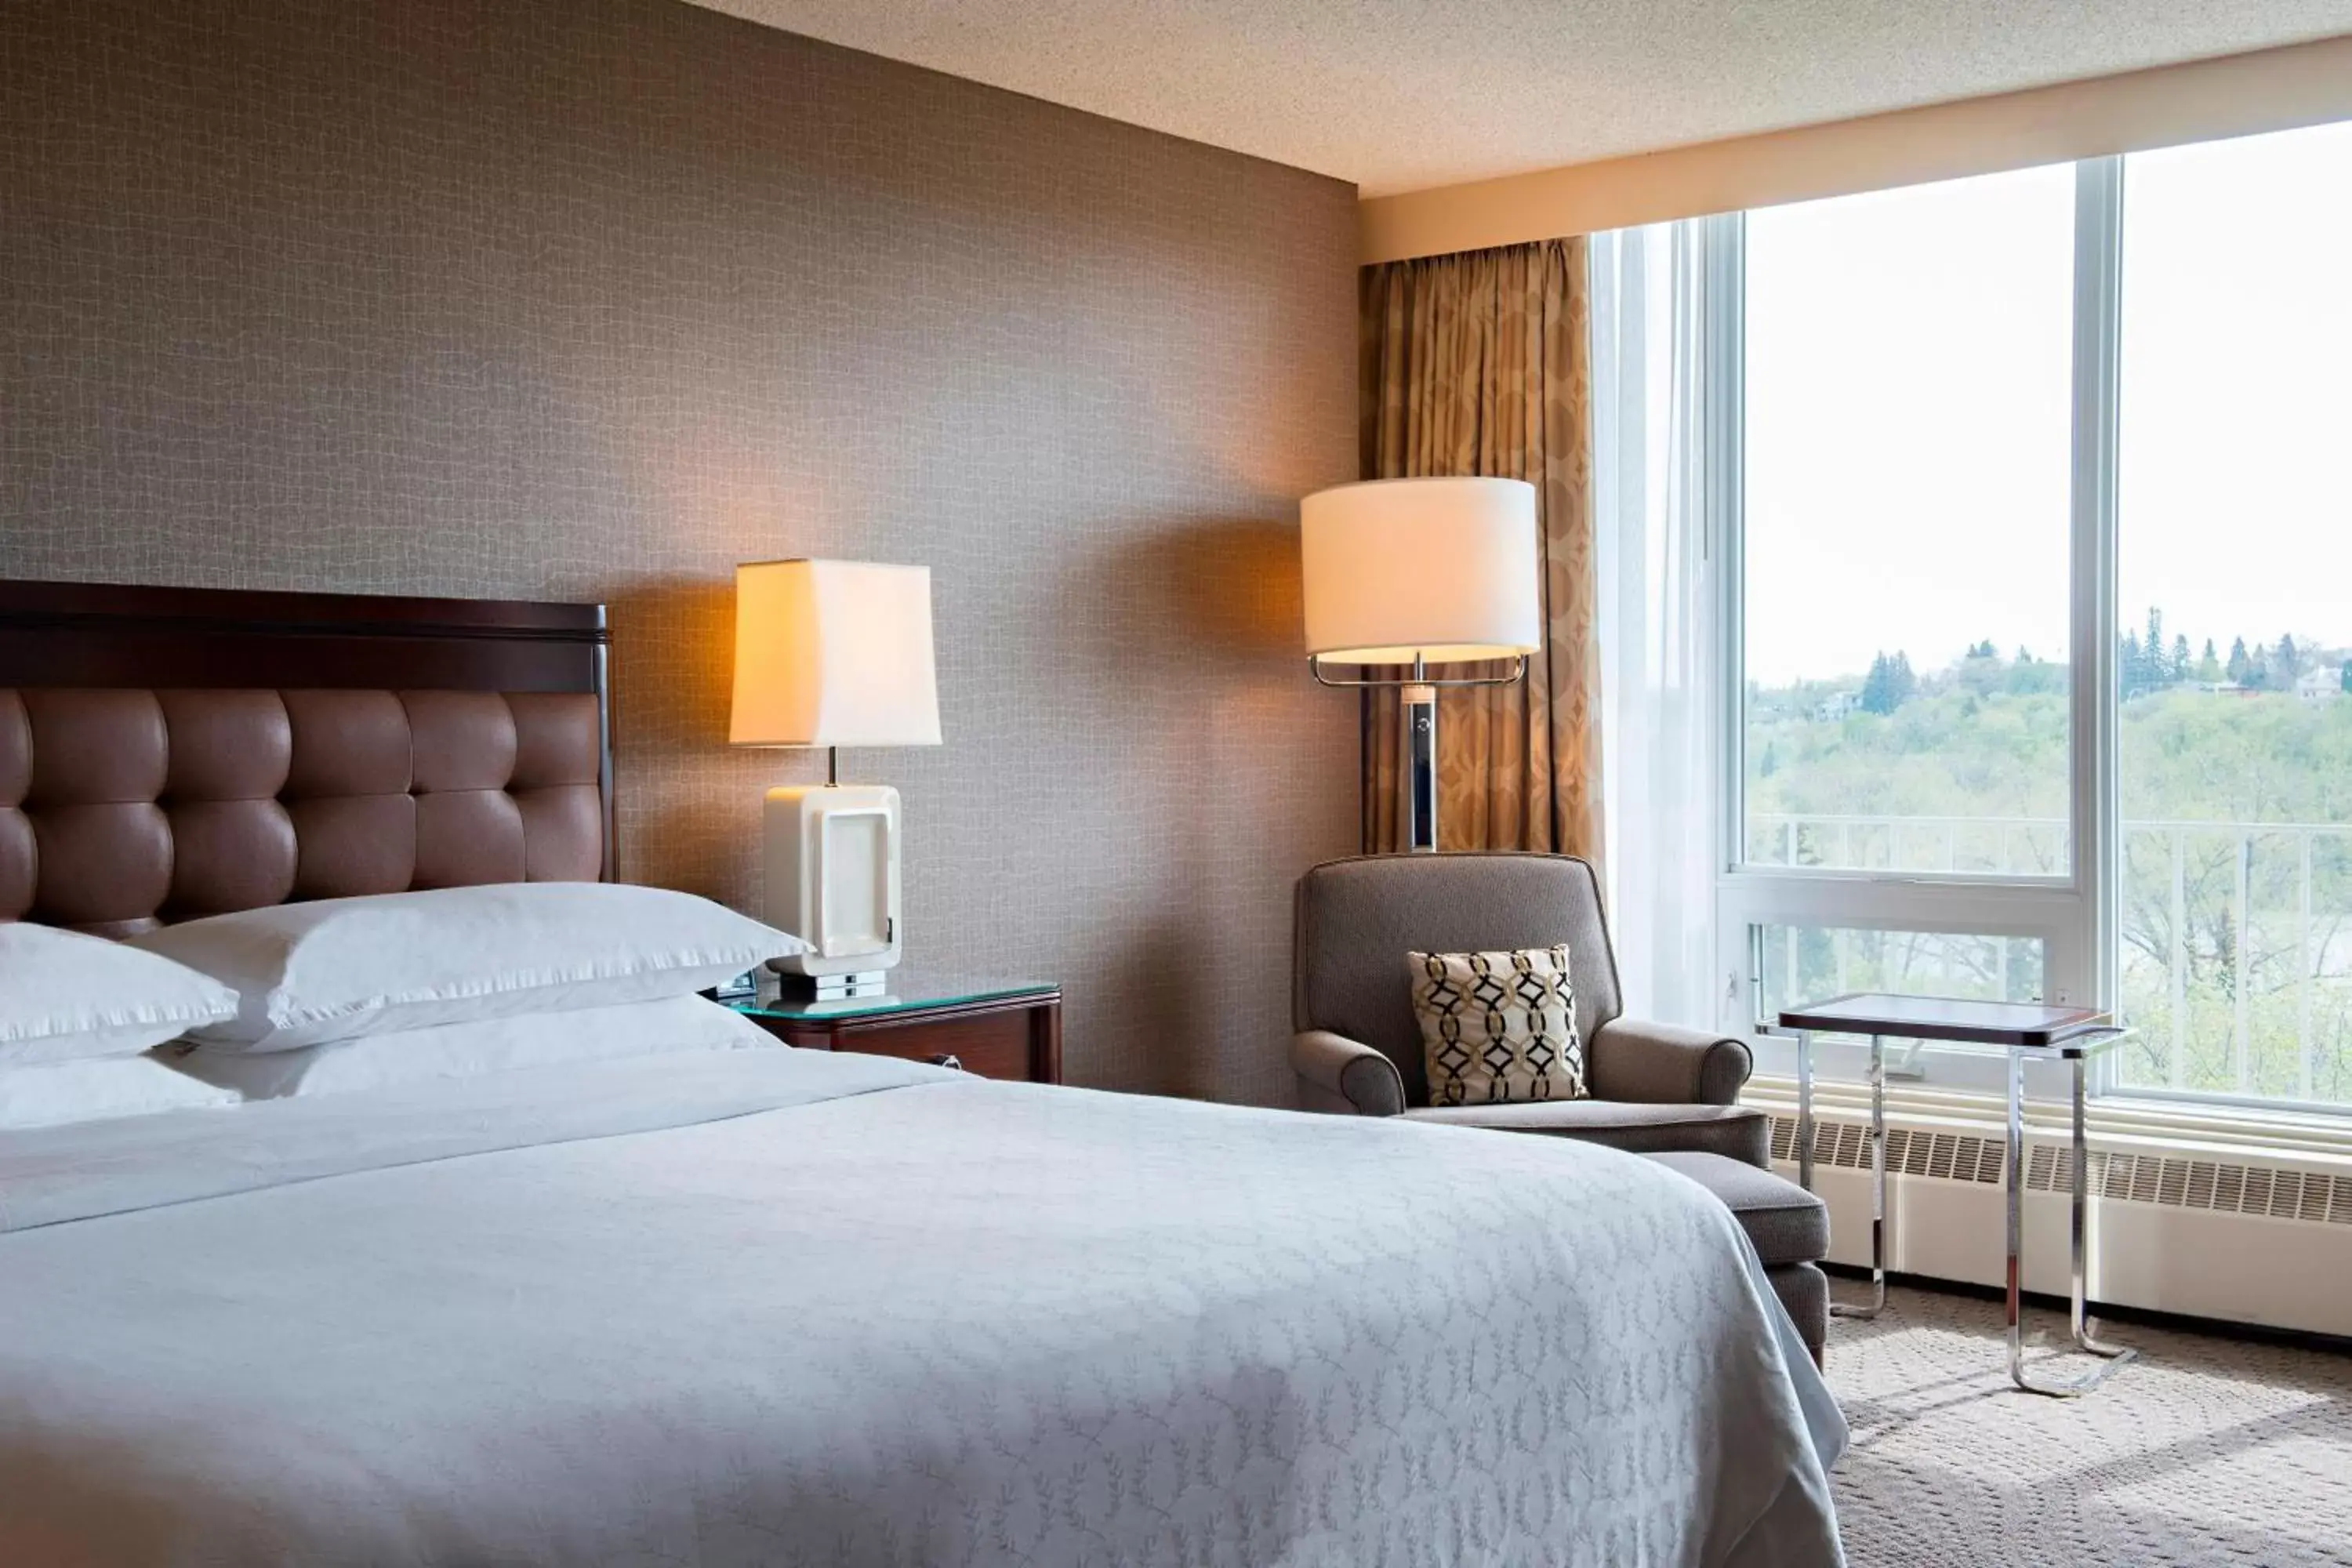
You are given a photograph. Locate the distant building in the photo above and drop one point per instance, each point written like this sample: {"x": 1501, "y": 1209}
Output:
{"x": 1837, "y": 705}
{"x": 2324, "y": 684}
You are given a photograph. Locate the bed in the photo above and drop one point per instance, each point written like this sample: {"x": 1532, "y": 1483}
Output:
{"x": 779, "y": 1307}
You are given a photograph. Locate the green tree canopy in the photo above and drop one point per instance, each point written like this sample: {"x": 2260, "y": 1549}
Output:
{"x": 1889, "y": 684}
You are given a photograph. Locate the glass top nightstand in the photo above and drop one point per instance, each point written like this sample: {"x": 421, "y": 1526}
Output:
{"x": 994, "y": 1027}
{"x": 912, "y": 992}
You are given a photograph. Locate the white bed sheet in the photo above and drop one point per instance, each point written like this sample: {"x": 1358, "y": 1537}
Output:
{"x": 785, "y": 1308}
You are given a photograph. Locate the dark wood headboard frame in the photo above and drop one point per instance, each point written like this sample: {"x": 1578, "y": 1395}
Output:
{"x": 108, "y": 634}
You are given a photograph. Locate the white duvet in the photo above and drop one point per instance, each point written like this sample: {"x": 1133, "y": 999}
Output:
{"x": 784, "y": 1308}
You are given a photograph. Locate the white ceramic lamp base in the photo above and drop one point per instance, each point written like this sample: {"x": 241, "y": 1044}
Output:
{"x": 832, "y": 882}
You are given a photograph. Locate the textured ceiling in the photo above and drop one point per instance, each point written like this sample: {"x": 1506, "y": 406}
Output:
{"x": 1411, "y": 93}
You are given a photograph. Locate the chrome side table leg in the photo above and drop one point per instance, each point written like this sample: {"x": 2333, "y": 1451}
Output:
{"x": 1877, "y": 1189}
{"x": 1805, "y": 1109}
{"x": 2013, "y": 1167}
{"x": 2117, "y": 1355}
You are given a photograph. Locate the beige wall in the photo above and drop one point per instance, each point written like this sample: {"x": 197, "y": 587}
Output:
{"x": 592, "y": 299}
{"x": 2272, "y": 90}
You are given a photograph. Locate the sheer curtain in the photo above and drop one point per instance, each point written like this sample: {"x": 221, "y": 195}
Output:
{"x": 1657, "y": 626}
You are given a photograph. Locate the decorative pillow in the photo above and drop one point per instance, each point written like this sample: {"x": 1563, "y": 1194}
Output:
{"x": 339, "y": 968}
{"x": 1498, "y": 1026}
{"x": 468, "y": 1050}
{"x": 68, "y": 998}
{"x": 98, "y": 1090}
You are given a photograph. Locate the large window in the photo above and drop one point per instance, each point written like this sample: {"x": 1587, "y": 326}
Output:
{"x": 2040, "y": 679}
{"x": 1906, "y": 496}
{"x": 2233, "y": 564}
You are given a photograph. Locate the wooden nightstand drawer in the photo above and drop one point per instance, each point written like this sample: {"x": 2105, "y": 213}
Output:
{"x": 993, "y": 1045}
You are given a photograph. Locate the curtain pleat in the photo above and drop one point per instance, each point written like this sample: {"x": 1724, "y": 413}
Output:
{"x": 1477, "y": 363}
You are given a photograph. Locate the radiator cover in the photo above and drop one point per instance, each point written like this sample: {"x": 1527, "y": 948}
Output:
{"x": 2261, "y": 1239}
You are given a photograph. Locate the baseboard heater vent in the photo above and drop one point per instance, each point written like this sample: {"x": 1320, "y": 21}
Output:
{"x": 2167, "y": 1181}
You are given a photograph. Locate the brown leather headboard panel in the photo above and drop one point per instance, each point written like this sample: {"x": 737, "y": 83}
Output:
{"x": 122, "y": 806}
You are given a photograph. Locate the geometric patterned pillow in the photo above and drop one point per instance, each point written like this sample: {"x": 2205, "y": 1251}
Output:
{"x": 1498, "y": 1026}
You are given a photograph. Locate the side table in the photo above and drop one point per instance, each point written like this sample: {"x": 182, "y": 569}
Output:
{"x": 2025, "y": 1031}
{"x": 1009, "y": 1029}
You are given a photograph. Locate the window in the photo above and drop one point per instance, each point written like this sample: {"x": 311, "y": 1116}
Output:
{"x": 2036, "y": 525}
{"x": 1906, "y": 494}
{"x": 2234, "y": 548}
{"x": 1803, "y": 963}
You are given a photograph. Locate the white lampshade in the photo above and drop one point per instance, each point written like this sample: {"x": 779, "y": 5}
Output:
{"x": 833, "y": 652}
{"x": 1442, "y": 568}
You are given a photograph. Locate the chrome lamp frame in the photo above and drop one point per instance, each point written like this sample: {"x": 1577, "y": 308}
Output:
{"x": 1417, "y": 772}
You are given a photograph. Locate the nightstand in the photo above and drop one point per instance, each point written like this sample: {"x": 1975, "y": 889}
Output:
{"x": 1002, "y": 1029}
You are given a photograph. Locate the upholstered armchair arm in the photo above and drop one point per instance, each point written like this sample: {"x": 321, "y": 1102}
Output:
{"x": 1335, "y": 1073}
{"x": 1666, "y": 1064}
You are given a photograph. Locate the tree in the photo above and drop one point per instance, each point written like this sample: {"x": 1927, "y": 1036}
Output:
{"x": 2288, "y": 663}
{"x": 2131, "y": 673}
{"x": 2145, "y": 668}
{"x": 1877, "y": 687}
{"x": 2179, "y": 672}
{"x": 2209, "y": 668}
{"x": 1889, "y": 684}
{"x": 2344, "y": 676}
{"x": 2240, "y": 666}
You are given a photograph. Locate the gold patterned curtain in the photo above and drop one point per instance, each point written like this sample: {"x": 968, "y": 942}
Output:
{"x": 1477, "y": 363}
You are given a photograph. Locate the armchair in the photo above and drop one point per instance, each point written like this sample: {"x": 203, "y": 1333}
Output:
{"x": 1657, "y": 1090}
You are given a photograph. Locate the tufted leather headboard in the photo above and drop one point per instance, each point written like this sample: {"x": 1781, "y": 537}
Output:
{"x": 166, "y": 753}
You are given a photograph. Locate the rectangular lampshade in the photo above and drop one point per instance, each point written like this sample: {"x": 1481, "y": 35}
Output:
{"x": 1439, "y": 568}
{"x": 833, "y": 652}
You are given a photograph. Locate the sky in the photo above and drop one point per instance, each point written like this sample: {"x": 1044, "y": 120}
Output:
{"x": 1908, "y": 409}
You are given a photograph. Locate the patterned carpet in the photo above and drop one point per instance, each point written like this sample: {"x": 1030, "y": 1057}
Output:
{"x": 2205, "y": 1451}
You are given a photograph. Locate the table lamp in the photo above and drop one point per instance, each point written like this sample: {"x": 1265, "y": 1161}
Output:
{"x": 832, "y": 653}
{"x": 1417, "y": 572}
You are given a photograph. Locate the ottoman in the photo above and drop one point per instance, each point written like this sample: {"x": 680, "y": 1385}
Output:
{"x": 1789, "y": 1226}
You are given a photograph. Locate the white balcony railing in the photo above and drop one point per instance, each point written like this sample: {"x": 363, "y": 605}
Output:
{"x": 2237, "y": 936}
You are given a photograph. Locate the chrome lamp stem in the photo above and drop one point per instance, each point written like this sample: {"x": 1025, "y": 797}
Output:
{"x": 1417, "y": 775}
{"x": 1417, "y": 769}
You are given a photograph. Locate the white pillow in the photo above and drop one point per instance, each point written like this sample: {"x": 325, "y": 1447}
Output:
{"x": 95, "y": 1090}
{"x": 489, "y": 1044}
{"x": 339, "y": 968}
{"x": 66, "y": 997}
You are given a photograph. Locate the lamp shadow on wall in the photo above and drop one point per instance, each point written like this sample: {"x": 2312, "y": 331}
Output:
{"x": 688, "y": 803}
{"x": 1229, "y": 586}
{"x": 1224, "y": 592}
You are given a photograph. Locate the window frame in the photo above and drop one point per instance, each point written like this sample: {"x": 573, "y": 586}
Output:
{"x": 2072, "y": 915}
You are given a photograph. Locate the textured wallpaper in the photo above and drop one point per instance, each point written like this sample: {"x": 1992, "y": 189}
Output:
{"x": 592, "y": 299}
